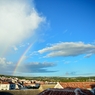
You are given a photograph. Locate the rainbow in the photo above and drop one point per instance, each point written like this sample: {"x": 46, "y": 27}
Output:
{"x": 21, "y": 58}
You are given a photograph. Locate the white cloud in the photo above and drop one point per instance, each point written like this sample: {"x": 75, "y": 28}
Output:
{"x": 6, "y": 67}
{"x": 88, "y": 55}
{"x": 70, "y": 73}
{"x": 22, "y": 45}
{"x": 34, "y": 53}
{"x": 68, "y": 49}
{"x": 66, "y": 62}
{"x": 4, "y": 63}
{"x": 15, "y": 48}
{"x": 2, "y": 60}
{"x": 18, "y": 21}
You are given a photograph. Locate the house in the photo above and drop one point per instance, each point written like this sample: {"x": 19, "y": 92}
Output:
{"x": 82, "y": 85}
{"x": 31, "y": 85}
{"x": 58, "y": 85}
{"x": 8, "y": 86}
{"x": 4, "y": 86}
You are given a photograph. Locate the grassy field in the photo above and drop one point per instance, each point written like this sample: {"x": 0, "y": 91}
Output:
{"x": 46, "y": 86}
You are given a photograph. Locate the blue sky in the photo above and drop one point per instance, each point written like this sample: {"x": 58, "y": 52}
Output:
{"x": 47, "y": 37}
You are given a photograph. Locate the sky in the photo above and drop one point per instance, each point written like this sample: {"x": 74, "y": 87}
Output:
{"x": 47, "y": 38}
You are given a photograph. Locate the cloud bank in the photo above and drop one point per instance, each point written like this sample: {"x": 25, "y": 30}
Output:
{"x": 7, "y": 67}
{"x": 65, "y": 49}
{"x": 36, "y": 67}
{"x": 18, "y": 21}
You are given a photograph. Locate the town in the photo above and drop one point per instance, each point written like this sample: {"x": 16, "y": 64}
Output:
{"x": 14, "y": 83}
{"x": 40, "y": 84}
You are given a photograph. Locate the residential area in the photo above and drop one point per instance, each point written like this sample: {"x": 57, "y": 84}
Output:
{"x": 40, "y": 87}
{"x": 17, "y": 84}
{"x": 11, "y": 83}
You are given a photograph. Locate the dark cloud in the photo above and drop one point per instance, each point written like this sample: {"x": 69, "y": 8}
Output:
{"x": 8, "y": 68}
{"x": 71, "y": 73}
{"x": 36, "y": 67}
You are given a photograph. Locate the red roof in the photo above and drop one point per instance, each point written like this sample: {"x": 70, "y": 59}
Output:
{"x": 66, "y": 91}
{"x": 82, "y": 85}
{"x": 4, "y": 83}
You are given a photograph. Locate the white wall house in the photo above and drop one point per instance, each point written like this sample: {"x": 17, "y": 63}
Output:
{"x": 4, "y": 86}
{"x": 58, "y": 85}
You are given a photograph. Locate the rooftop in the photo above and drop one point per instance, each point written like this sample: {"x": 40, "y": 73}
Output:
{"x": 66, "y": 91}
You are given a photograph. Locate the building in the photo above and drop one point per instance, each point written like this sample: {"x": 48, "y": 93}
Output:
{"x": 58, "y": 85}
{"x": 82, "y": 85}
{"x": 31, "y": 85}
{"x": 67, "y": 91}
{"x": 4, "y": 86}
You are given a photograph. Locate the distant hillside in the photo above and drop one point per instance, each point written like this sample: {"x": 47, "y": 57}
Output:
{"x": 55, "y": 79}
